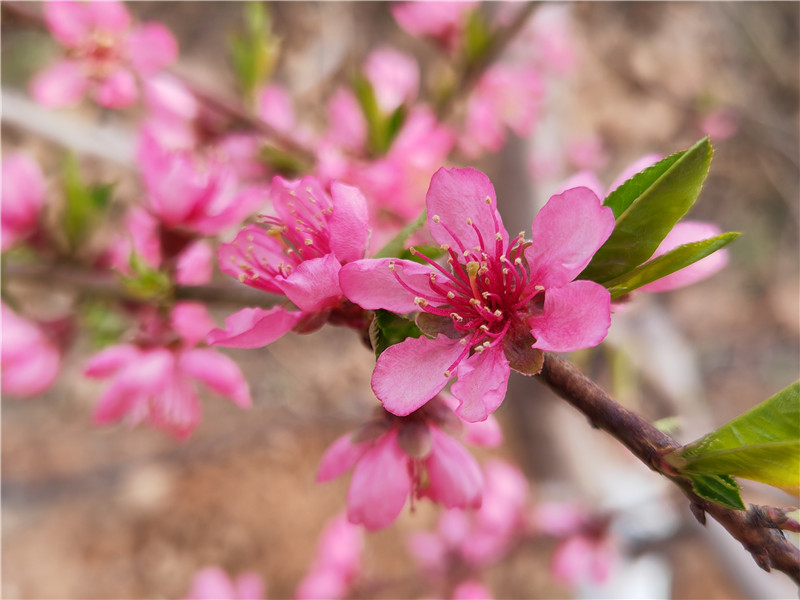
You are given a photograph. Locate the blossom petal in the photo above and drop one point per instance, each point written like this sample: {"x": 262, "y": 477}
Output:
{"x": 412, "y": 372}
{"x": 687, "y": 232}
{"x": 314, "y": 283}
{"x": 212, "y": 583}
{"x": 566, "y": 233}
{"x": 575, "y": 316}
{"x": 23, "y": 194}
{"x": 218, "y": 372}
{"x": 110, "y": 16}
{"x": 380, "y": 485}
{"x": 62, "y": 84}
{"x": 455, "y": 477}
{"x": 487, "y": 434}
{"x": 585, "y": 179}
{"x": 191, "y": 321}
{"x": 348, "y": 223}
{"x": 373, "y": 283}
{"x": 456, "y": 196}
{"x": 253, "y": 257}
{"x": 482, "y": 383}
{"x": 275, "y": 108}
{"x": 109, "y": 361}
{"x": 340, "y": 457}
{"x": 254, "y": 327}
{"x": 29, "y": 361}
{"x": 176, "y": 408}
{"x": 394, "y": 77}
{"x": 151, "y": 48}
{"x": 118, "y": 90}
{"x": 70, "y": 22}
{"x": 194, "y": 265}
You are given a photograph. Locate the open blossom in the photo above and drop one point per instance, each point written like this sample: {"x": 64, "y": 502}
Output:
{"x": 212, "y": 583}
{"x": 500, "y": 303}
{"x": 153, "y": 377}
{"x": 23, "y": 195}
{"x": 337, "y": 562}
{"x": 29, "y": 360}
{"x": 104, "y": 54}
{"x": 397, "y": 458}
{"x": 298, "y": 255}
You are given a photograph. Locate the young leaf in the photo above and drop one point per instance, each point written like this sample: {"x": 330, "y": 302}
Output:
{"x": 84, "y": 205}
{"x": 388, "y": 329}
{"x": 666, "y": 264}
{"x": 721, "y": 489}
{"x": 647, "y": 207}
{"x": 255, "y": 51}
{"x": 763, "y": 444}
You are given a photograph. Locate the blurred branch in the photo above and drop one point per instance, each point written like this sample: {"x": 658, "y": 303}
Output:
{"x": 106, "y": 285}
{"x": 769, "y": 548}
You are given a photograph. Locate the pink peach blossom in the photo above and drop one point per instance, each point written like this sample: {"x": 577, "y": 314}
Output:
{"x": 212, "y": 583}
{"x": 397, "y": 458}
{"x": 23, "y": 194}
{"x": 152, "y": 377}
{"x": 104, "y": 54}
{"x": 337, "y": 562}
{"x": 29, "y": 360}
{"x": 497, "y": 305}
{"x": 299, "y": 256}
{"x": 394, "y": 77}
{"x": 442, "y": 21}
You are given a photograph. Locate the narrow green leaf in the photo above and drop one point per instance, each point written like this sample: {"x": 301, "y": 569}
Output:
{"x": 396, "y": 247}
{"x": 84, "y": 205}
{"x": 388, "y": 329}
{"x": 762, "y": 444}
{"x": 666, "y": 264}
{"x": 254, "y": 51}
{"x": 646, "y": 208}
{"x": 720, "y": 489}
{"x": 477, "y": 37}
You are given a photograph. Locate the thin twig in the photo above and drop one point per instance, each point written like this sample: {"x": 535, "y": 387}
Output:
{"x": 769, "y": 548}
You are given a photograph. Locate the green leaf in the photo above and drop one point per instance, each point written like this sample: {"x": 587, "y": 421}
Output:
{"x": 762, "y": 444}
{"x": 254, "y": 52}
{"x": 721, "y": 489}
{"x": 381, "y": 128}
{"x": 396, "y": 247}
{"x": 388, "y": 329}
{"x": 666, "y": 264}
{"x": 84, "y": 205}
{"x": 282, "y": 162}
{"x": 646, "y": 208}
{"x": 477, "y": 38}
{"x": 146, "y": 283}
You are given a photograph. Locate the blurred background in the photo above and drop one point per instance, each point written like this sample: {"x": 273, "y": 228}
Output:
{"x": 130, "y": 513}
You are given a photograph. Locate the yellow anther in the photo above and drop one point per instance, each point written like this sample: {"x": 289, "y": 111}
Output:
{"x": 518, "y": 261}
{"x": 308, "y": 241}
{"x": 539, "y": 288}
{"x": 485, "y": 295}
{"x": 435, "y": 218}
{"x": 420, "y": 301}
{"x": 498, "y": 236}
{"x": 451, "y": 295}
{"x": 474, "y": 302}
{"x": 462, "y": 341}
{"x": 242, "y": 277}
{"x": 447, "y": 373}
{"x": 498, "y": 313}
{"x": 469, "y": 221}
{"x": 484, "y": 327}
{"x": 391, "y": 266}
{"x": 445, "y": 247}
{"x": 478, "y": 349}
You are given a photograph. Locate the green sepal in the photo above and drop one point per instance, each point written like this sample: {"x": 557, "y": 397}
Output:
{"x": 103, "y": 322}
{"x": 146, "y": 283}
{"x": 396, "y": 246}
{"x": 381, "y": 128}
{"x": 646, "y": 208}
{"x": 720, "y": 489}
{"x": 763, "y": 444}
{"x": 666, "y": 264}
{"x": 388, "y": 329}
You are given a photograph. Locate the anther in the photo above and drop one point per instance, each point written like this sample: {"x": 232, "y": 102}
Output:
{"x": 435, "y": 218}
{"x": 498, "y": 236}
{"x": 451, "y": 295}
{"x": 539, "y": 288}
{"x": 462, "y": 341}
{"x": 308, "y": 241}
{"x": 485, "y": 295}
{"x": 484, "y": 327}
{"x": 413, "y": 251}
{"x": 474, "y": 302}
{"x": 488, "y": 200}
{"x": 469, "y": 221}
{"x": 447, "y": 373}
{"x": 419, "y": 301}
{"x": 518, "y": 261}
{"x": 391, "y": 266}
{"x": 498, "y": 313}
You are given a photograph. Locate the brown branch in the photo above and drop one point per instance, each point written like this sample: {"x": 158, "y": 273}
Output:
{"x": 769, "y": 548}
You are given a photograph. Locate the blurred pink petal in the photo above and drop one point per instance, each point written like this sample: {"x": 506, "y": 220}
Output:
{"x": 191, "y": 321}
{"x": 195, "y": 264}
{"x": 455, "y": 479}
{"x": 117, "y": 90}
{"x": 151, "y": 47}
{"x": 61, "y": 84}
{"x": 23, "y": 195}
{"x": 69, "y": 21}
{"x": 219, "y": 372}
{"x": 254, "y": 327}
{"x": 394, "y": 77}
{"x": 29, "y": 361}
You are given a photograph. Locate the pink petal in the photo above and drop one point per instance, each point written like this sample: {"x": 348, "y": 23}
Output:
{"x": 575, "y": 316}
{"x": 471, "y": 590}
{"x": 456, "y": 196}
{"x": 412, "y": 372}
{"x": 166, "y": 96}
{"x": 70, "y": 22}
{"x": 249, "y": 586}
{"x": 254, "y": 327}
{"x": 380, "y": 485}
{"x": 349, "y": 223}
{"x": 482, "y": 383}
{"x": 62, "y": 84}
{"x": 394, "y": 77}
{"x": 321, "y": 584}
{"x": 194, "y": 264}
{"x": 340, "y": 547}
{"x": 249, "y": 256}
{"x": 109, "y": 361}
{"x": 313, "y": 284}
{"x": 687, "y": 232}
{"x": 373, "y": 283}
{"x": 29, "y": 361}
{"x": 347, "y": 126}
{"x": 110, "y": 16}
{"x": 566, "y": 233}
{"x": 212, "y": 583}
{"x": 218, "y": 372}
{"x": 455, "y": 477}
{"x": 483, "y": 433}
{"x": 176, "y": 408}
{"x": 340, "y": 457}
{"x": 302, "y": 199}
{"x": 118, "y": 90}
{"x": 275, "y": 108}
{"x": 227, "y": 207}
{"x": 151, "y": 47}
{"x": 191, "y": 321}
{"x": 23, "y": 194}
